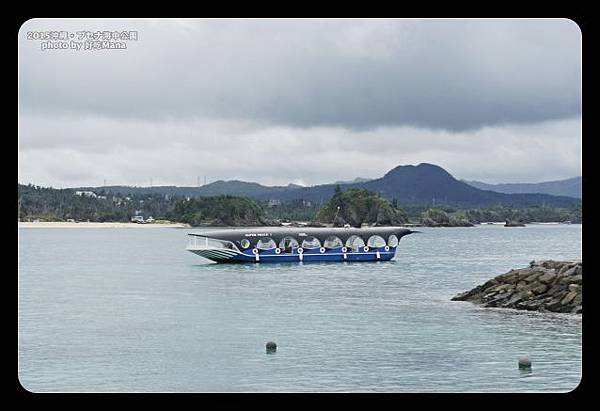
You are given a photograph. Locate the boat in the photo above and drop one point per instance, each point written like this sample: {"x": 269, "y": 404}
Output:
{"x": 509, "y": 223}
{"x": 297, "y": 244}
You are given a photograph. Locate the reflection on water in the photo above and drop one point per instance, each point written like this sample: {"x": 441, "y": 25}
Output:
{"x": 525, "y": 372}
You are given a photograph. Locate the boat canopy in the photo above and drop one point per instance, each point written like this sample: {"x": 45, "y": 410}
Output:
{"x": 265, "y": 238}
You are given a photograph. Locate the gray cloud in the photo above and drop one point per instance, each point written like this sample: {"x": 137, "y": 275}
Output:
{"x": 443, "y": 74}
{"x": 304, "y": 101}
{"x": 133, "y": 152}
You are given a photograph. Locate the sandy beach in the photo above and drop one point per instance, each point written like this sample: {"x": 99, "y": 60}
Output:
{"x": 60, "y": 224}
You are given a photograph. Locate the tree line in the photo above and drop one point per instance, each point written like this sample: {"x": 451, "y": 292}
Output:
{"x": 352, "y": 206}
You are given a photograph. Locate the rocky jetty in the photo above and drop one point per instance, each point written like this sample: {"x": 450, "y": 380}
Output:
{"x": 543, "y": 286}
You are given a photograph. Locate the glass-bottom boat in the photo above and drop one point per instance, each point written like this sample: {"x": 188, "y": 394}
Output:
{"x": 281, "y": 244}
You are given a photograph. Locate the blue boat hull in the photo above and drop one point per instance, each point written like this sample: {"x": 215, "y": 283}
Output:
{"x": 314, "y": 255}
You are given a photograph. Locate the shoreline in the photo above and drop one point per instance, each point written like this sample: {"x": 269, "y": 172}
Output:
{"x": 61, "y": 224}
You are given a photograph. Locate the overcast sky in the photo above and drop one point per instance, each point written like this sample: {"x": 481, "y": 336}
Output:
{"x": 301, "y": 101}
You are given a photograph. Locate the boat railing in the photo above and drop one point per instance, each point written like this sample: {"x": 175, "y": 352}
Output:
{"x": 206, "y": 243}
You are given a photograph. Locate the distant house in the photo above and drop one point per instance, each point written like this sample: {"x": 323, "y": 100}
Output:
{"x": 86, "y": 194}
{"x": 273, "y": 203}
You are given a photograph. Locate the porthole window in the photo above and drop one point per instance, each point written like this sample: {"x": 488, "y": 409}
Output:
{"x": 288, "y": 244}
{"x": 392, "y": 241}
{"x": 311, "y": 242}
{"x": 376, "y": 241}
{"x": 245, "y": 243}
{"x": 266, "y": 243}
{"x": 332, "y": 242}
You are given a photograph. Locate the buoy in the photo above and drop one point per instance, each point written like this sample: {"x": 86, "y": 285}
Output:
{"x": 271, "y": 347}
{"x": 524, "y": 363}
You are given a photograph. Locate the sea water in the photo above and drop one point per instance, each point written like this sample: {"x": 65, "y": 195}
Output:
{"x": 129, "y": 310}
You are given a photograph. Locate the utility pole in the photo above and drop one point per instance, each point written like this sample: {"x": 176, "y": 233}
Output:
{"x": 151, "y": 182}
{"x": 335, "y": 216}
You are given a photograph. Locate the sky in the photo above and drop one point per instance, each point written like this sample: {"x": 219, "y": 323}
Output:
{"x": 279, "y": 101}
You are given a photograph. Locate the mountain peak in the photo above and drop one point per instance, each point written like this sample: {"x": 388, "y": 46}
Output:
{"x": 355, "y": 181}
{"x": 422, "y": 169}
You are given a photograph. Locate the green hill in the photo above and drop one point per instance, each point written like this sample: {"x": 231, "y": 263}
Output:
{"x": 219, "y": 211}
{"x": 570, "y": 187}
{"x": 357, "y": 206}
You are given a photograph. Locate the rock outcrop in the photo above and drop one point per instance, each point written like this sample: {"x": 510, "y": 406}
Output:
{"x": 435, "y": 217}
{"x": 357, "y": 207}
{"x": 544, "y": 286}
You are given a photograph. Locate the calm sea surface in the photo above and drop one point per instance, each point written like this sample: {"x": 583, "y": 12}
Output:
{"x": 114, "y": 310}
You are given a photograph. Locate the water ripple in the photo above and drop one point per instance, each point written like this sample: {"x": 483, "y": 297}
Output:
{"x": 129, "y": 310}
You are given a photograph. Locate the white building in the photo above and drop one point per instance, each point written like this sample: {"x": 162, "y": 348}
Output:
{"x": 85, "y": 193}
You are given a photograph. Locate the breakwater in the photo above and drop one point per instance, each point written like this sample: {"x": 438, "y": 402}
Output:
{"x": 554, "y": 286}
